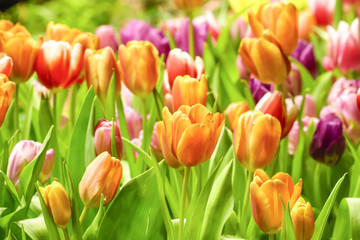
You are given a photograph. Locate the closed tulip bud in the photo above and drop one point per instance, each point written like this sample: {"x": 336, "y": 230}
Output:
{"x": 7, "y": 89}
{"x": 57, "y": 32}
{"x": 57, "y": 202}
{"x": 103, "y": 137}
{"x": 5, "y": 25}
{"x": 256, "y": 139}
{"x": 188, "y": 5}
{"x": 259, "y": 89}
{"x": 188, "y": 91}
{"x": 107, "y": 37}
{"x": 190, "y": 135}
{"x": 60, "y": 70}
{"x": 133, "y": 122}
{"x": 139, "y": 64}
{"x": 266, "y": 195}
{"x": 262, "y": 55}
{"x": 6, "y": 64}
{"x": 233, "y": 112}
{"x": 281, "y": 19}
{"x": 328, "y": 143}
{"x": 302, "y": 217}
{"x": 102, "y": 176}
{"x": 27, "y": 150}
{"x": 323, "y": 11}
{"x": 100, "y": 65}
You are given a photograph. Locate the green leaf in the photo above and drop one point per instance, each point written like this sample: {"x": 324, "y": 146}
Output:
{"x": 320, "y": 92}
{"x": 338, "y": 13}
{"x": 92, "y": 231}
{"x": 355, "y": 171}
{"x": 113, "y": 141}
{"x": 110, "y": 98}
{"x": 347, "y": 225}
{"x": 287, "y": 229}
{"x": 34, "y": 228}
{"x": 307, "y": 80}
{"x": 10, "y": 187}
{"x": 28, "y": 113}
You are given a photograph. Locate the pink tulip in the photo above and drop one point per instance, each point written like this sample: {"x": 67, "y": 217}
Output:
{"x": 6, "y": 64}
{"x": 294, "y": 132}
{"x": 340, "y": 86}
{"x": 133, "y": 121}
{"x": 107, "y": 37}
{"x": 103, "y": 137}
{"x": 323, "y": 11}
{"x": 309, "y": 105}
{"x": 244, "y": 73}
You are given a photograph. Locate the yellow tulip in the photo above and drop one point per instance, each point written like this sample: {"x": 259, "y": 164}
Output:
{"x": 302, "y": 217}
{"x": 188, "y": 5}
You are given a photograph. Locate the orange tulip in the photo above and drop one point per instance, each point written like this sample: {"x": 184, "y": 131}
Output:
{"x": 139, "y": 64}
{"x": 57, "y": 202}
{"x": 102, "y": 176}
{"x": 233, "y": 112}
{"x": 302, "y": 217}
{"x": 7, "y": 89}
{"x": 188, "y": 5}
{"x": 100, "y": 65}
{"x": 87, "y": 40}
{"x": 188, "y": 91}
{"x": 264, "y": 58}
{"x": 60, "y": 70}
{"x": 281, "y": 19}
{"x": 306, "y": 24}
{"x": 6, "y": 64}
{"x": 5, "y": 25}
{"x": 190, "y": 135}
{"x": 256, "y": 139}
{"x": 266, "y": 195}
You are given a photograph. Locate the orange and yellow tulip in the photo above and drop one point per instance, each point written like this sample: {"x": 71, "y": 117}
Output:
{"x": 100, "y": 65}
{"x": 188, "y": 5}
{"x": 190, "y": 135}
{"x": 188, "y": 91}
{"x": 139, "y": 64}
{"x": 266, "y": 195}
{"x": 6, "y": 64}
{"x": 5, "y": 25}
{"x": 7, "y": 89}
{"x": 307, "y": 23}
{"x": 233, "y": 112}
{"x": 256, "y": 139}
{"x": 264, "y": 58}
{"x": 281, "y": 19}
{"x": 302, "y": 217}
{"x": 57, "y": 202}
{"x": 102, "y": 176}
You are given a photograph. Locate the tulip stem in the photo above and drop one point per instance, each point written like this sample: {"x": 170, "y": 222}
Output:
{"x": 16, "y": 112}
{"x": 191, "y": 36}
{"x": 145, "y": 132}
{"x": 182, "y": 204}
{"x": 66, "y": 234}
{"x": 244, "y": 217}
{"x": 83, "y": 215}
{"x": 54, "y": 110}
{"x": 271, "y": 236}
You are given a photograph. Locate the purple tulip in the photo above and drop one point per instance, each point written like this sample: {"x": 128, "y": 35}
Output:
{"x": 328, "y": 143}
{"x": 259, "y": 89}
{"x": 304, "y": 53}
{"x": 106, "y": 34}
{"x": 143, "y": 31}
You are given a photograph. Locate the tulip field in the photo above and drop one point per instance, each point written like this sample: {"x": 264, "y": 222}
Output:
{"x": 180, "y": 119}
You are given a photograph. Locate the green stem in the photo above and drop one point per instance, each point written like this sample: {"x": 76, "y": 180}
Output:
{"x": 182, "y": 204}
{"x": 244, "y": 212}
{"x": 66, "y": 234}
{"x": 144, "y": 146}
{"x": 158, "y": 108}
{"x": 54, "y": 111}
{"x": 83, "y": 215}
{"x": 16, "y": 112}
{"x": 271, "y": 236}
{"x": 191, "y": 36}
{"x": 73, "y": 99}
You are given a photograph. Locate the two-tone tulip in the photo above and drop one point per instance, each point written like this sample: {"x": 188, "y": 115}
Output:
{"x": 188, "y": 91}
{"x": 103, "y": 137}
{"x": 323, "y": 11}
{"x": 262, "y": 55}
{"x": 266, "y": 195}
{"x": 7, "y": 89}
{"x": 139, "y": 64}
{"x": 102, "y": 176}
{"x": 302, "y": 217}
{"x": 189, "y": 136}
{"x": 57, "y": 202}
{"x": 6, "y": 64}
{"x": 188, "y": 5}
{"x": 256, "y": 139}
{"x": 100, "y": 65}
{"x": 233, "y": 112}
{"x": 60, "y": 70}
{"x": 281, "y": 19}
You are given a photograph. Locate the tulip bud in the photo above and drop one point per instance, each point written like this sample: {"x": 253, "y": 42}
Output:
{"x": 266, "y": 195}
{"x": 188, "y": 91}
{"x": 259, "y": 89}
{"x": 256, "y": 139}
{"x": 6, "y": 64}
{"x": 58, "y": 32}
{"x": 107, "y": 37}
{"x": 103, "y": 137}
{"x": 133, "y": 121}
{"x": 328, "y": 143}
{"x": 57, "y": 202}
{"x": 7, "y": 89}
{"x": 5, "y": 25}
{"x": 139, "y": 64}
{"x": 87, "y": 40}
{"x": 323, "y": 11}
{"x": 307, "y": 23}
{"x": 188, "y": 5}
{"x": 302, "y": 217}
{"x": 100, "y": 66}
{"x": 102, "y": 176}
{"x": 233, "y": 112}
{"x": 304, "y": 53}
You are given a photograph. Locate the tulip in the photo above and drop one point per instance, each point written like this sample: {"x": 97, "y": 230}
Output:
{"x": 60, "y": 32}
{"x": 190, "y": 135}
{"x": 27, "y": 150}
{"x": 6, "y": 64}
{"x": 358, "y": 99}
{"x": 304, "y": 53}
{"x": 323, "y": 11}
{"x": 133, "y": 122}
{"x": 188, "y": 91}
{"x": 155, "y": 142}
{"x": 244, "y": 73}
{"x": 342, "y": 86}
{"x": 107, "y": 37}
{"x": 87, "y": 40}
{"x": 261, "y": 56}
{"x": 302, "y": 217}
{"x": 233, "y": 112}
{"x": 5, "y": 25}
{"x": 266, "y": 195}
{"x": 180, "y": 63}
{"x": 281, "y": 19}
{"x": 256, "y": 139}
{"x": 307, "y": 23}
{"x": 259, "y": 89}
{"x": 57, "y": 202}
{"x": 100, "y": 65}
{"x": 188, "y": 5}
{"x": 292, "y": 84}
{"x": 328, "y": 143}
{"x": 309, "y": 108}
{"x": 7, "y": 89}
{"x": 60, "y": 70}
{"x": 103, "y": 130}
{"x": 139, "y": 64}
{"x": 102, "y": 176}
{"x": 273, "y": 104}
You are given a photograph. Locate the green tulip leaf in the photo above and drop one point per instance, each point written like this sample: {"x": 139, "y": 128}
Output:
{"x": 347, "y": 224}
